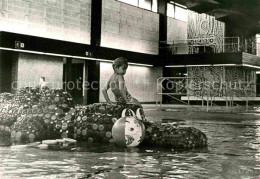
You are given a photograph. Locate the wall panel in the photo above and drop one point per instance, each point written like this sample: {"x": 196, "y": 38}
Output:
{"x": 140, "y": 81}
{"x": 31, "y": 67}
{"x": 130, "y": 28}
{"x": 176, "y": 30}
{"x": 56, "y": 19}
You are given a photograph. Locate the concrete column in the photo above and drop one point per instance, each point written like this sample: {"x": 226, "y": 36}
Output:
{"x": 163, "y": 52}
{"x": 162, "y": 10}
{"x": 92, "y": 68}
{"x": 96, "y": 15}
{"x": 93, "y": 80}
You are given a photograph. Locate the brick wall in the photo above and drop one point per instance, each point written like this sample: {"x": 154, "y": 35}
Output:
{"x": 67, "y": 20}
{"x": 129, "y": 28}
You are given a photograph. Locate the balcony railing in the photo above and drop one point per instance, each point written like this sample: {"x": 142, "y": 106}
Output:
{"x": 213, "y": 45}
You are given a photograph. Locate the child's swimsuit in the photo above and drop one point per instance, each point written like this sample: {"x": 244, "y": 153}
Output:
{"x": 121, "y": 99}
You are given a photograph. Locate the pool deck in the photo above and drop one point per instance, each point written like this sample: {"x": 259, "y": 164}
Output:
{"x": 184, "y": 112}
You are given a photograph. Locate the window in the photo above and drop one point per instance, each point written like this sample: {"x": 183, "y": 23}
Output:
{"x": 170, "y": 10}
{"x": 145, "y": 4}
{"x": 181, "y": 13}
{"x": 132, "y": 2}
{"x": 155, "y": 6}
{"x": 177, "y": 11}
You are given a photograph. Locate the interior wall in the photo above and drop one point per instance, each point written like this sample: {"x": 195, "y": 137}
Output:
{"x": 176, "y": 30}
{"x": 31, "y": 67}
{"x": 127, "y": 27}
{"x": 56, "y": 19}
{"x": 140, "y": 81}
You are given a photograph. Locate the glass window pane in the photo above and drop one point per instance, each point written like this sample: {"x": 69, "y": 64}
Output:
{"x": 170, "y": 10}
{"x": 146, "y": 4}
{"x": 181, "y": 13}
{"x": 132, "y": 2}
{"x": 155, "y": 6}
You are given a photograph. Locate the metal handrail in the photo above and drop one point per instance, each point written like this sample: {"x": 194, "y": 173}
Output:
{"x": 187, "y": 88}
{"x": 206, "y": 38}
{"x": 228, "y": 98}
{"x": 216, "y": 44}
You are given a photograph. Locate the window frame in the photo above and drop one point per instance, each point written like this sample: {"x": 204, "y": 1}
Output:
{"x": 168, "y": 15}
{"x": 174, "y": 6}
{"x": 145, "y": 8}
{"x": 138, "y": 5}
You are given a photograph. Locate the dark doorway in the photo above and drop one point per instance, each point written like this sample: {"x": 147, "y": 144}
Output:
{"x": 78, "y": 80}
{"x": 7, "y": 71}
{"x": 73, "y": 79}
{"x": 257, "y": 85}
{"x": 168, "y": 84}
{"x": 93, "y": 68}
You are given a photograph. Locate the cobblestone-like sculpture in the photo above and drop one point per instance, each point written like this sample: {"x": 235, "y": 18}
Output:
{"x": 52, "y": 115}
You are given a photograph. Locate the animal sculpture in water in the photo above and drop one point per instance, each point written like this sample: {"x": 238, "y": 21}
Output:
{"x": 52, "y": 114}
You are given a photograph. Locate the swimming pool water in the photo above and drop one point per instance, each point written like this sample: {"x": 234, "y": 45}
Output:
{"x": 233, "y": 152}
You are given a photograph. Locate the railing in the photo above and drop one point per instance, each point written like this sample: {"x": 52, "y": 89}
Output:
{"x": 180, "y": 86}
{"x": 212, "y": 45}
{"x": 183, "y": 86}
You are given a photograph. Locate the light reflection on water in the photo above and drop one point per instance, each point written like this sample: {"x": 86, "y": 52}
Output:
{"x": 233, "y": 152}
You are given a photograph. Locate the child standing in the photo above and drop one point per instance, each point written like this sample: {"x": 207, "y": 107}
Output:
{"x": 117, "y": 83}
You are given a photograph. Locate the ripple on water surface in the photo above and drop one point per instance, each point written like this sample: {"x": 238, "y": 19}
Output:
{"x": 232, "y": 152}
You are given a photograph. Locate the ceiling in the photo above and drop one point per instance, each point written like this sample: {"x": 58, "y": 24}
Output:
{"x": 239, "y": 13}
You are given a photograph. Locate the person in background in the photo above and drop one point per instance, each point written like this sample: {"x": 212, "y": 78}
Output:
{"x": 43, "y": 84}
{"x": 117, "y": 83}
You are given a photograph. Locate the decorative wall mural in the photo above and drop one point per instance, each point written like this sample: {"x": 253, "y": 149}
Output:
{"x": 242, "y": 82}
{"x": 206, "y": 31}
{"x": 221, "y": 81}
{"x": 205, "y": 81}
